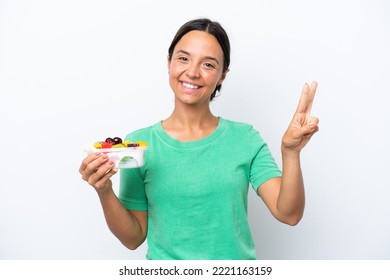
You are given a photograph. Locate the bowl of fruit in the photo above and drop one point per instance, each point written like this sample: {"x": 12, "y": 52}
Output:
{"x": 125, "y": 154}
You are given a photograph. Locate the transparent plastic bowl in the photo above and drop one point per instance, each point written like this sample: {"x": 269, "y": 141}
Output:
{"x": 131, "y": 157}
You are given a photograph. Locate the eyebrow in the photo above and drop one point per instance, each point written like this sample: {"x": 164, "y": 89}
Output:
{"x": 206, "y": 57}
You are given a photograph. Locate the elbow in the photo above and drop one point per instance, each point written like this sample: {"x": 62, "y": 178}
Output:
{"x": 132, "y": 245}
{"x": 290, "y": 217}
{"x": 291, "y": 220}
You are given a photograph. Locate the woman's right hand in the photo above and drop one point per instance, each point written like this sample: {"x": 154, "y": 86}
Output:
{"x": 97, "y": 169}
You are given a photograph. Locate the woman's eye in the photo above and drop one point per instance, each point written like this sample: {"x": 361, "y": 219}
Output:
{"x": 183, "y": 59}
{"x": 209, "y": 65}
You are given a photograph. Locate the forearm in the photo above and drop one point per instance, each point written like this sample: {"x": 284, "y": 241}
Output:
{"x": 120, "y": 221}
{"x": 291, "y": 199}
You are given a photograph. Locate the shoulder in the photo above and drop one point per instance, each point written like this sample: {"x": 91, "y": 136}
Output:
{"x": 244, "y": 133}
{"x": 240, "y": 127}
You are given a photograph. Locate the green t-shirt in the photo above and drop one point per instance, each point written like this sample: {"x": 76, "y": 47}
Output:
{"x": 196, "y": 192}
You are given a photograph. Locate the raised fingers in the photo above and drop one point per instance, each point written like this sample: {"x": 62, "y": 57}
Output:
{"x": 306, "y": 99}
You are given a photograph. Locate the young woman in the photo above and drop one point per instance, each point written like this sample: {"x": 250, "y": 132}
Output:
{"x": 189, "y": 200}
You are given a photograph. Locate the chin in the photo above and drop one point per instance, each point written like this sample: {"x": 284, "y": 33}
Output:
{"x": 192, "y": 100}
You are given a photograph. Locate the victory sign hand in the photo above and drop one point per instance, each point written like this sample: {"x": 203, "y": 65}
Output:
{"x": 303, "y": 125}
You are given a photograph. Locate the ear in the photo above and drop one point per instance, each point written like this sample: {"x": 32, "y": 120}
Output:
{"x": 223, "y": 77}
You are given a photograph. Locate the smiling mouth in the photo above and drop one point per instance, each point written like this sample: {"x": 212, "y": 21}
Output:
{"x": 190, "y": 86}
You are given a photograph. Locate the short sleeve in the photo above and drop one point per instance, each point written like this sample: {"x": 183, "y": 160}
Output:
{"x": 263, "y": 166}
{"x": 132, "y": 190}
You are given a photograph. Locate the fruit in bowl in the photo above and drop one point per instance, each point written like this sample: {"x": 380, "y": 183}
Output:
{"x": 125, "y": 154}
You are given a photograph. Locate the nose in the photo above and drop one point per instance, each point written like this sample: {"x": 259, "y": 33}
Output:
{"x": 193, "y": 71}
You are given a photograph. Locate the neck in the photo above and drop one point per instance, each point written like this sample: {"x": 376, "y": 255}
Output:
{"x": 190, "y": 123}
{"x": 194, "y": 115}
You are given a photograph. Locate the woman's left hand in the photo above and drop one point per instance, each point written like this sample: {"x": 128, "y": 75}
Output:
{"x": 303, "y": 125}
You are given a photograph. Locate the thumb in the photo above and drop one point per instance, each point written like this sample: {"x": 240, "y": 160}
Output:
{"x": 312, "y": 124}
{"x": 309, "y": 128}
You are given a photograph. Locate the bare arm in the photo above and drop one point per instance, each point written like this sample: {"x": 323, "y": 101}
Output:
{"x": 285, "y": 197}
{"x": 129, "y": 227}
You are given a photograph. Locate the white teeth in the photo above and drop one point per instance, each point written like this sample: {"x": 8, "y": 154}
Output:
{"x": 190, "y": 86}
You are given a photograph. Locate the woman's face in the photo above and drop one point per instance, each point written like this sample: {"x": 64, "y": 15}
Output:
{"x": 196, "y": 67}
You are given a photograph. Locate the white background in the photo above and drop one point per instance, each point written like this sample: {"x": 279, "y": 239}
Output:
{"x": 73, "y": 72}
